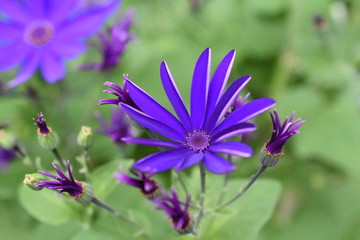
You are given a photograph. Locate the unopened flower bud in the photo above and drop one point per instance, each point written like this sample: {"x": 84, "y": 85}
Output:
{"x": 48, "y": 139}
{"x": 7, "y": 139}
{"x": 32, "y": 178}
{"x": 85, "y": 137}
{"x": 87, "y": 195}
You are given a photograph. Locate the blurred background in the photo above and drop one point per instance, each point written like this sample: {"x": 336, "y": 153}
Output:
{"x": 304, "y": 54}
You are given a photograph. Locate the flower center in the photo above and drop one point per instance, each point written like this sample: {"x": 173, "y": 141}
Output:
{"x": 198, "y": 141}
{"x": 39, "y": 33}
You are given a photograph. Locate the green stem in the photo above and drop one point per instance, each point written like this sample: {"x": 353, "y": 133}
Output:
{"x": 98, "y": 203}
{"x": 224, "y": 186}
{"x": 247, "y": 186}
{"x": 202, "y": 193}
{"x": 59, "y": 158}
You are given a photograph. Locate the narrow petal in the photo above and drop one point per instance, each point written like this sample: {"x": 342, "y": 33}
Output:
{"x": 13, "y": 54}
{"x": 219, "y": 81}
{"x": 161, "y": 161}
{"x": 217, "y": 164}
{"x": 67, "y": 49}
{"x": 153, "y": 108}
{"x": 190, "y": 159}
{"x": 152, "y": 142}
{"x": 199, "y": 89}
{"x": 38, "y": 8}
{"x": 10, "y": 31}
{"x": 16, "y": 11}
{"x": 234, "y": 130}
{"x": 233, "y": 148}
{"x": 246, "y": 112}
{"x": 225, "y": 101}
{"x": 26, "y": 70}
{"x": 61, "y": 9}
{"x": 90, "y": 21}
{"x": 174, "y": 96}
{"x": 52, "y": 68}
{"x": 152, "y": 124}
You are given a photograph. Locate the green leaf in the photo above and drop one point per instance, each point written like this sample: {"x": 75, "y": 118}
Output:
{"x": 102, "y": 179}
{"x": 48, "y": 206}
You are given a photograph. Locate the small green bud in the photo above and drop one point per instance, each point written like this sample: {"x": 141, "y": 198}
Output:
{"x": 7, "y": 139}
{"x": 32, "y": 178}
{"x": 267, "y": 159}
{"x": 85, "y": 137}
{"x": 48, "y": 141}
{"x": 87, "y": 195}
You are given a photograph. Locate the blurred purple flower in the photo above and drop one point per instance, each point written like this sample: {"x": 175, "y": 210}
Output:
{"x": 6, "y": 156}
{"x": 41, "y": 124}
{"x": 44, "y": 34}
{"x": 200, "y": 135}
{"x": 180, "y": 217}
{"x": 113, "y": 44}
{"x": 282, "y": 132}
{"x": 118, "y": 128}
{"x": 149, "y": 187}
{"x": 65, "y": 184}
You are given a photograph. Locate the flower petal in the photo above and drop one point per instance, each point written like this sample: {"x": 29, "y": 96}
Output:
{"x": 246, "y": 112}
{"x": 60, "y": 10}
{"x": 217, "y": 164}
{"x": 153, "y": 108}
{"x": 199, "y": 89}
{"x": 219, "y": 81}
{"x": 26, "y": 70}
{"x": 190, "y": 159}
{"x": 152, "y": 124}
{"x": 161, "y": 161}
{"x": 15, "y": 11}
{"x": 233, "y": 148}
{"x": 174, "y": 96}
{"x": 152, "y": 142}
{"x": 225, "y": 101}
{"x": 234, "y": 130}
{"x": 52, "y": 68}
{"x": 90, "y": 21}
{"x": 13, "y": 54}
{"x": 10, "y": 31}
{"x": 67, "y": 49}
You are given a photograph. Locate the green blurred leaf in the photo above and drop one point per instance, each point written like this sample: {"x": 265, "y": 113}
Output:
{"x": 48, "y": 206}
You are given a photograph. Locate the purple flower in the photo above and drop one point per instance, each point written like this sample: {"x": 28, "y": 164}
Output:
{"x": 148, "y": 186}
{"x": 6, "y": 156}
{"x": 113, "y": 44}
{"x": 121, "y": 93}
{"x": 44, "y": 33}
{"x": 41, "y": 124}
{"x": 200, "y": 135}
{"x": 180, "y": 217}
{"x": 118, "y": 128}
{"x": 238, "y": 102}
{"x": 281, "y": 132}
{"x": 74, "y": 188}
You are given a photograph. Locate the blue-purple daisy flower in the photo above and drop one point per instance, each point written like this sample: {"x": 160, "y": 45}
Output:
{"x": 44, "y": 34}
{"x": 199, "y": 135}
{"x": 118, "y": 128}
{"x": 113, "y": 43}
{"x": 179, "y": 216}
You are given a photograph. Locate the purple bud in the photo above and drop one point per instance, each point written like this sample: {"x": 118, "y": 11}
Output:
{"x": 180, "y": 217}
{"x": 149, "y": 187}
{"x": 41, "y": 124}
{"x": 281, "y": 133}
